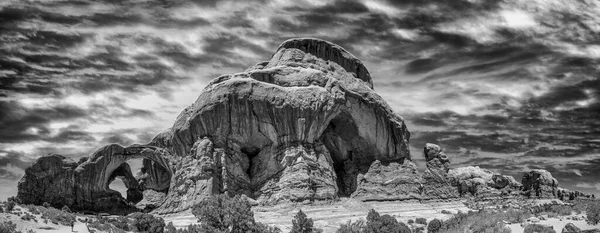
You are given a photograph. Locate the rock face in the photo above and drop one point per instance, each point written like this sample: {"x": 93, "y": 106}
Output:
{"x": 539, "y": 183}
{"x": 84, "y": 185}
{"x": 304, "y": 125}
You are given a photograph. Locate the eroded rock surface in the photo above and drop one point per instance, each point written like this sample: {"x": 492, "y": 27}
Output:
{"x": 539, "y": 183}
{"x": 304, "y": 125}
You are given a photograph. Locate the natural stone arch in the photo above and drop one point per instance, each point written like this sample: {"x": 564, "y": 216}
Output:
{"x": 97, "y": 171}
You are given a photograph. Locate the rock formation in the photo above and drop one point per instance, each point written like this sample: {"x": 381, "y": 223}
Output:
{"x": 301, "y": 126}
{"x": 305, "y": 125}
{"x": 539, "y": 183}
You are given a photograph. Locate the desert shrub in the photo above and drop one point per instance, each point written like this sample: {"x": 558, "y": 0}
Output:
{"x": 56, "y": 216}
{"x": 421, "y": 221}
{"x": 144, "y": 222}
{"x": 46, "y": 205}
{"x": 14, "y": 199}
{"x": 481, "y": 221}
{"x": 446, "y": 212}
{"x": 352, "y": 227}
{"x": 434, "y": 225}
{"x": 9, "y": 206}
{"x": 66, "y": 209}
{"x": 170, "y": 228}
{"x": 593, "y": 213}
{"x": 120, "y": 222}
{"x": 33, "y": 209}
{"x": 410, "y": 221}
{"x": 516, "y": 216}
{"x": 383, "y": 224}
{"x": 27, "y": 217}
{"x": 104, "y": 227}
{"x": 531, "y": 228}
{"x": 302, "y": 224}
{"x": 264, "y": 228}
{"x": 8, "y": 227}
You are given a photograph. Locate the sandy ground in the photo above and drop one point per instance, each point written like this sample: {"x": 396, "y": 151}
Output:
{"x": 557, "y": 224}
{"x": 40, "y": 226}
{"x": 329, "y": 216}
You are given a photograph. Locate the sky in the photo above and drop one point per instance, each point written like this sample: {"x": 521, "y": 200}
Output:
{"x": 509, "y": 86}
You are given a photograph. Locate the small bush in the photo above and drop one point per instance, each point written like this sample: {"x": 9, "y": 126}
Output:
{"x": 144, "y": 222}
{"x": 410, "y": 221}
{"x": 56, "y": 216}
{"x": 104, "y": 227}
{"x": 352, "y": 227}
{"x": 8, "y": 227}
{"x": 434, "y": 225}
{"x": 593, "y": 213}
{"x": 9, "y": 206}
{"x": 120, "y": 222}
{"x": 535, "y": 228}
{"x": 421, "y": 221}
{"x": 66, "y": 209}
{"x": 446, "y": 212}
{"x": 14, "y": 199}
{"x": 27, "y": 217}
{"x": 46, "y": 205}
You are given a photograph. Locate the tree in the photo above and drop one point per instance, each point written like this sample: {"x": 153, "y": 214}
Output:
{"x": 144, "y": 222}
{"x": 384, "y": 224}
{"x": 593, "y": 213}
{"x": 221, "y": 213}
{"x": 434, "y": 226}
{"x": 302, "y": 224}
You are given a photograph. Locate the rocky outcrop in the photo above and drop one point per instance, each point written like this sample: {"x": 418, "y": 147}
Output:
{"x": 49, "y": 179}
{"x": 571, "y": 228}
{"x": 304, "y": 125}
{"x": 85, "y": 185}
{"x": 539, "y": 183}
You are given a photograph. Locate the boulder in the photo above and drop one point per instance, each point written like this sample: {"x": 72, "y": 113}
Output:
{"x": 571, "y": 228}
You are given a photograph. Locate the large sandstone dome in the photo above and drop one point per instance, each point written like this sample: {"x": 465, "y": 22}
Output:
{"x": 302, "y": 126}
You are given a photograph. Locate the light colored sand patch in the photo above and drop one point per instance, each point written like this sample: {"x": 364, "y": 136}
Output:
{"x": 556, "y": 223}
{"x": 329, "y": 216}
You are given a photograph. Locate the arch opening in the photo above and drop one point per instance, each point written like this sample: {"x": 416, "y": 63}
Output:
{"x": 134, "y": 189}
{"x": 351, "y": 154}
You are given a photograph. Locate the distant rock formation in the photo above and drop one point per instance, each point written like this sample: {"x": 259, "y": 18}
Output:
{"x": 539, "y": 183}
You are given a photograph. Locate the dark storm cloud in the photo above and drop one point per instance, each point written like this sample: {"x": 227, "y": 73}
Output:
{"x": 16, "y": 120}
{"x": 21, "y": 124}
